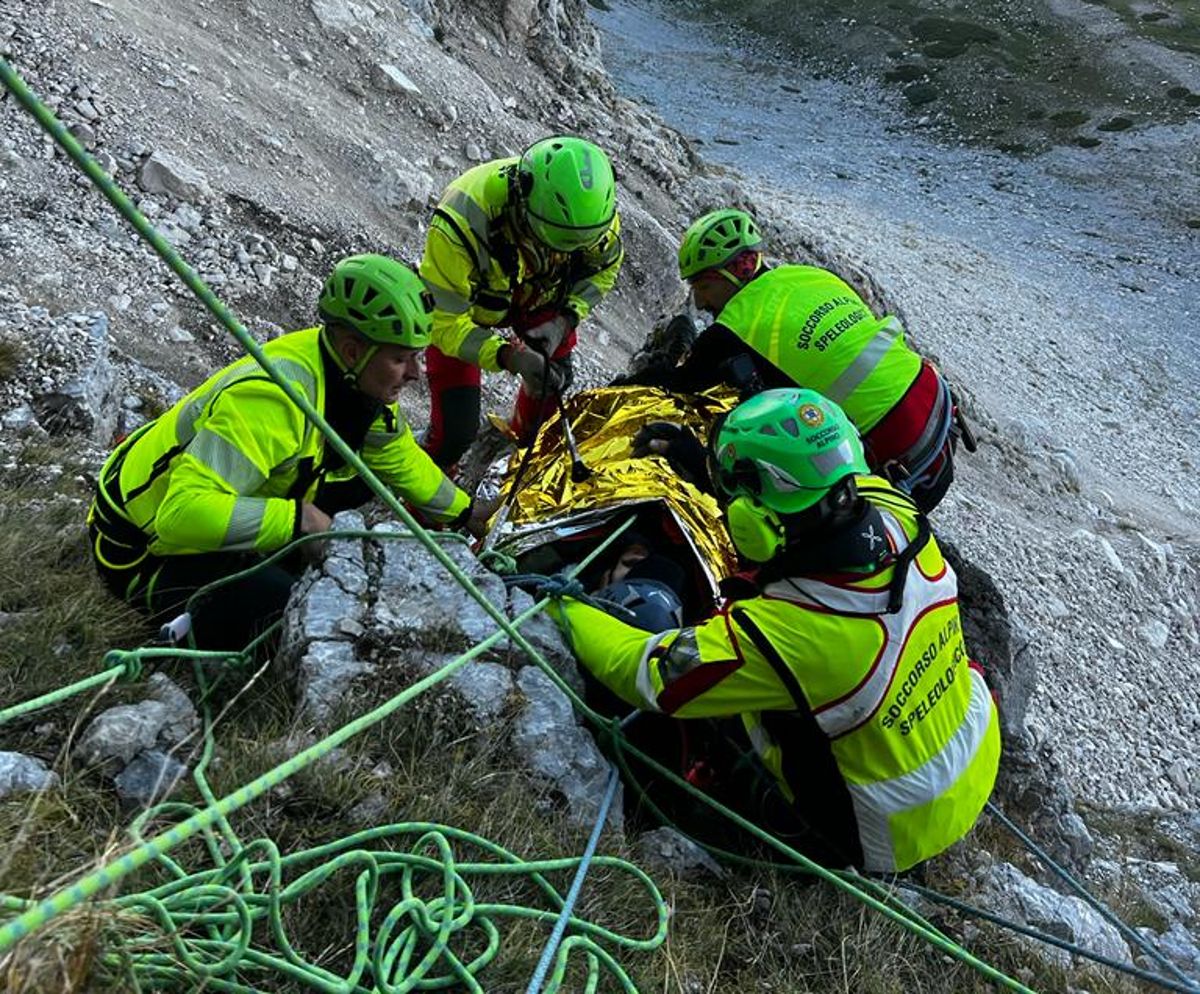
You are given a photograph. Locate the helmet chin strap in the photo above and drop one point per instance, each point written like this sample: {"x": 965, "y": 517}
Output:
{"x": 350, "y": 374}
{"x": 732, "y": 279}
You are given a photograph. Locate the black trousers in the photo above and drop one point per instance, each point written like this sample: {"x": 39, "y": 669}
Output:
{"x": 228, "y": 617}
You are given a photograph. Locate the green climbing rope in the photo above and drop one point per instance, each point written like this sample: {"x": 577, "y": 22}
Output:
{"x": 442, "y": 926}
{"x": 224, "y": 916}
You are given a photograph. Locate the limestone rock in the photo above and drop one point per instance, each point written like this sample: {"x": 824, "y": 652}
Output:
{"x": 22, "y": 420}
{"x": 418, "y": 597}
{"x": 673, "y": 851}
{"x": 323, "y": 609}
{"x": 557, "y": 749}
{"x": 148, "y": 779}
{"x": 1177, "y": 944}
{"x": 340, "y": 15}
{"x": 81, "y": 395}
{"x": 20, "y": 774}
{"x": 1165, "y": 888}
{"x": 120, "y": 733}
{"x": 1011, "y": 893}
{"x": 166, "y": 173}
{"x": 543, "y": 634}
{"x": 370, "y": 812}
{"x": 387, "y": 77}
{"x": 481, "y": 685}
{"x": 1032, "y": 790}
{"x": 180, "y": 719}
{"x": 324, "y": 674}
{"x": 484, "y": 687}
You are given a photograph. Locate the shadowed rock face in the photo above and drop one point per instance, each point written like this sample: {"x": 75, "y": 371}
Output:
{"x": 1031, "y": 787}
{"x": 994, "y": 640}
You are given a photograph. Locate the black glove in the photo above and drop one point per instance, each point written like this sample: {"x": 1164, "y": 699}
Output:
{"x": 740, "y": 373}
{"x": 562, "y": 373}
{"x": 683, "y": 450}
{"x": 541, "y": 378}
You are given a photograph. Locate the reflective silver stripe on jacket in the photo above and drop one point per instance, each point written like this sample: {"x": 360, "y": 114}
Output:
{"x": 447, "y": 300}
{"x": 442, "y": 498}
{"x": 378, "y": 439}
{"x": 473, "y": 344}
{"x": 225, "y": 459}
{"x": 297, "y": 373}
{"x": 866, "y": 362}
{"x": 645, "y": 684}
{"x": 245, "y": 523}
{"x": 477, "y": 220}
{"x": 588, "y": 292}
{"x": 875, "y": 802}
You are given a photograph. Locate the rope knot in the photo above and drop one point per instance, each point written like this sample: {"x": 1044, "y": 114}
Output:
{"x": 132, "y": 668}
{"x": 560, "y": 585}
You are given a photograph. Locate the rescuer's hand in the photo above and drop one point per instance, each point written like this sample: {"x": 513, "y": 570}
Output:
{"x": 679, "y": 447}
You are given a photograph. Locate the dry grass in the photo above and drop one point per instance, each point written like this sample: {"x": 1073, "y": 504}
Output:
{"x": 756, "y": 930}
{"x": 10, "y": 358}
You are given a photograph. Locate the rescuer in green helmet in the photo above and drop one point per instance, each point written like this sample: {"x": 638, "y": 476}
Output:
{"x": 803, "y": 326}
{"x": 843, "y": 656}
{"x": 530, "y": 243}
{"x": 234, "y": 471}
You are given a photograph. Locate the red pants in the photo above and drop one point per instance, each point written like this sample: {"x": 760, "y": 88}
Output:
{"x": 891, "y": 446}
{"x": 454, "y": 397}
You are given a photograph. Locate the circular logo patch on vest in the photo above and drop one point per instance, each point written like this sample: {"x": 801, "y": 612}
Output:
{"x": 811, "y": 415}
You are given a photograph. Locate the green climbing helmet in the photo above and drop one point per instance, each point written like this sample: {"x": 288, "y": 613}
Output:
{"x": 380, "y": 298}
{"x": 569, "y": 192}
{"x": 786, "y": 449}
{"x": 716, "y": 238}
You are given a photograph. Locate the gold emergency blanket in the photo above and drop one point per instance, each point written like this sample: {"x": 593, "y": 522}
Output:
{"x": 604, "y": 422}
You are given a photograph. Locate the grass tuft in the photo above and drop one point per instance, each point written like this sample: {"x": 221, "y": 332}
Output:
{"x": 10, "y": 358}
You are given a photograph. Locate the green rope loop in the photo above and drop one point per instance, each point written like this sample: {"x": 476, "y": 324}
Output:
{"x": 498, "y": 562}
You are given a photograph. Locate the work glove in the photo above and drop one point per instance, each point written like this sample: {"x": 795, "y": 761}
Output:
{"x": 538, "y": 376}
{"x": 548, "y": 336}
{"x": 562, "y": 372}
{"x": 478, "y": 515}
{"x": 683, "y": 450}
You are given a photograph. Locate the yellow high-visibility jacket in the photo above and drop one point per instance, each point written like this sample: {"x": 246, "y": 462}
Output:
{"x": 479, "y": 270}
{"x": 911, "y": 727}
{"x": 226, "y": 468}
{"x": 811, "y": 325}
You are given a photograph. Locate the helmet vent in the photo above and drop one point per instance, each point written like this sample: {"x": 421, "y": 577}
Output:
{"x": 767, "y": 430}
{"x": 789, "y": 425}
{"x": 369, "y": 294}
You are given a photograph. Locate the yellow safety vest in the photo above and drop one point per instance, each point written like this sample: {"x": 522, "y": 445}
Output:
{"x": 226, "y": 467}
{"x": 477, "y": 268}
{"x": 815, "y": 329}
{"x": 911, "y": 726}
